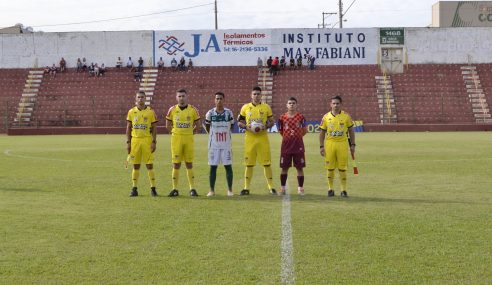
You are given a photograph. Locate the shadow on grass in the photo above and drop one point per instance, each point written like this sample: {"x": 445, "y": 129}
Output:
{"x": 361, "y": 199}
{"x": 21, "y": 190}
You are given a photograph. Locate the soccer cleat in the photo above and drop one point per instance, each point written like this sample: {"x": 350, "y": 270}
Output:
{"x": 300, "y": 191}
{"x": 230, "y": 194}
{"x": 273, "y": 191}
{"x": 193, "y": 193}
{"x": 344, "y": 194}
{"x": 173, "y": 193}
{"x": 153, "y": 192}
{"x": 331, "y": 193}
{"x": 134, "y": 192}
{"x": 210, "y": 194}
{"x": 282, "y": 190}
{"x": 244, "y": 192}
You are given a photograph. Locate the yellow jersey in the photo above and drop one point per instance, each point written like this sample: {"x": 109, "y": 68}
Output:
{"x": 256, "y": 113}
{"x": 142, "y": 121}
{"x": 183, "y": 119}
{"x": 336, "y": 127}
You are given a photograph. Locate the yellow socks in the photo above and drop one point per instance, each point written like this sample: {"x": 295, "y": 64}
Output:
{"x": 343, "y": 180}
{"x": 267, "y": 170}
{"x": 191, "y": 178}
{"x": 135, "y": 174}
{"x": 175, "y": 177}
{"x": 248, "y": 175}
{"x": 331, "y": 178}
{"x": 151, "y": 174}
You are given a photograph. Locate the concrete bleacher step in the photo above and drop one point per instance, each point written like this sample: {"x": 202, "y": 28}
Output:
{"x": 21, "y": 109}
{"x": 22, "y": 119}
{"x": 468, "y": 67}
{"x": 266, "y": 92}
{"x": 26, "y": 104}
{"x": 34, "y": 76}
{"x": 151, "y": 71}
{"x": 482, "y": 115}
{"x": 487, "y": 121}
{"x": 23, "y": 114}
{"x": 478, "y": 100}
{"x": 36, "y": 71}
{"x": 31, "y": 85}
{"x": 30, "y": 90}
{"x": 481, "y": 110}
{"x": 33, "y": 80}
{"x": 28, "y": 94}
{"x": 382, "y": 100}
{"x": 473, "y": 86}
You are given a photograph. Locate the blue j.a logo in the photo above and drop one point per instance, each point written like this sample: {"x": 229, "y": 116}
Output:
{"x": 172, "y": 45}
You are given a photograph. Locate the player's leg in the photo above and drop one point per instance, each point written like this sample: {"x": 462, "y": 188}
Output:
{"x": 342, "y": 163}
{"x": 299, "y": 164}
{"x": 213, "y": 162}
{"x": 249, "y": 161}
{"x": 330, "y": 165}
{"x": 188, "y": 157}
{"x": 148, "y": 157}
{"x": 285, "y": 164}
{"x": 176, "y": 153}
{"x": 265, "y": 158}
{"x": 136, "y": 158}
{"x": 226, "y": 159}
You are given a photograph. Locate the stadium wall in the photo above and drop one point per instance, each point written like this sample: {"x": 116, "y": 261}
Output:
{"x": 243, "y": 47}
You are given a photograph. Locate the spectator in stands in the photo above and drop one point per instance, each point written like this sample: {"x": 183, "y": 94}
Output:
{"x": 160, "y": 63}
{"x": 129, "y": 63}
{"x": 46, "y": 70}
{"x": 269, "y": 64}
{"x": 292, "y": 63}
{"x": 96, "y": 70}
{"x": 259, "y": 63}
{"x": 174, "y": 64}
{"x": 119, "y": 62}
{"x": 182, "y": 64}
{"x": 311, "y": 63}
{"x": 140, "y": 62}
{"x": 138, "y": 74}
{"x": 63, "y": 65}
{"x": 275, "y": 63}
{"x": 53, "y": 71}
{"x": 282, "y": 62}
{"x": 102, "y": 69}
{"x": 91, "y": 70}
{"x": 84, "y": 64}
{"x": 190, "y": 65}
{"x": 308, "y": 56}
{"x": 79, "y": 65}
{"x": 299, "y": 62}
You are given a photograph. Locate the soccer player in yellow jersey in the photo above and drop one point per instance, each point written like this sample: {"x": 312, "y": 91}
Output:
{"x": 256, "y": 117}
{"x": 181, "y": 121}
{"x": 141, "y": 133}
{"x": 334, "y": 144}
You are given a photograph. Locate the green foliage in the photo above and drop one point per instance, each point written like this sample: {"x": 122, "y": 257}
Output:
{"x": 418, "y": 213}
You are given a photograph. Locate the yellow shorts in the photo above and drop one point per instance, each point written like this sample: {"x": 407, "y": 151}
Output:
{"x": 140, "y": 151}
{"x": 182, "y": 148}
{"x": 257, "y": 147}
{"x": 336, "y": 155}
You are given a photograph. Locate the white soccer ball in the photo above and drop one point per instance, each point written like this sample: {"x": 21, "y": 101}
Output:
{"x": 256, "y": 127}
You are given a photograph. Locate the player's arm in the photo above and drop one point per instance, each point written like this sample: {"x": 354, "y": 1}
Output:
{"x": 351, "y": 139}
{"x": 197, "y": 126}
{"x": 153, "y": 130}
{"x": 280, "y": 127}
{"x": 128, "y": 136}
{"x": 322, "y": 135}
{"x": 241, "y": 122}
{"x": 206, "y": 125}
{"x": 169, "y": 125}
{"x": 270, "y": 122}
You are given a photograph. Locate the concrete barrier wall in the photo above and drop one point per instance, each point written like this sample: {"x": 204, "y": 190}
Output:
{"x": 42, "y": 49}
{"x": 242, "y": 47}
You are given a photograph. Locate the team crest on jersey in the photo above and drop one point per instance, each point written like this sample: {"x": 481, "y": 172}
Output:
{"x": 331, "y": 126}
{"x": 135, "y": 119}
{"x": 342, "y": 124}
{"x": 145, "y": 119}
{"x": 188, "y": 118}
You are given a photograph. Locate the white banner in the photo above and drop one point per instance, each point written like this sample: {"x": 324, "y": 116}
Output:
{"x": 243, "y": 47}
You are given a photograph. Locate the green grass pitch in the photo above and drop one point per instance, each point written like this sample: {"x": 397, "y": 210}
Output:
{"x": 419, "y": 213}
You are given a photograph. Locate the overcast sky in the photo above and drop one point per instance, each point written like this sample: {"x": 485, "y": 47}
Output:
{"x": 54, "y": 15}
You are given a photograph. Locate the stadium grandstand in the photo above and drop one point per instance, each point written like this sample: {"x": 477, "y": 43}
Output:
{"x": 391, "y": 79}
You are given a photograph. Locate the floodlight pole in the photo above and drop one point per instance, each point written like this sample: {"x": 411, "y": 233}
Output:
{"x": 216, "y": 24}
{"x": 340, "y": 13}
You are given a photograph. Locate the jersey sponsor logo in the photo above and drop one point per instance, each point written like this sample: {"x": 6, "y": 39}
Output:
{"x": 336, "y": 133}
{"x": 140, "y": 126}
{"x": 183, "y": 125}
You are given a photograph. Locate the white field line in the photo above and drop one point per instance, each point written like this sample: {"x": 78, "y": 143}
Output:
{"x": 287, "y": 273}
{"x": 8, "y": 152}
